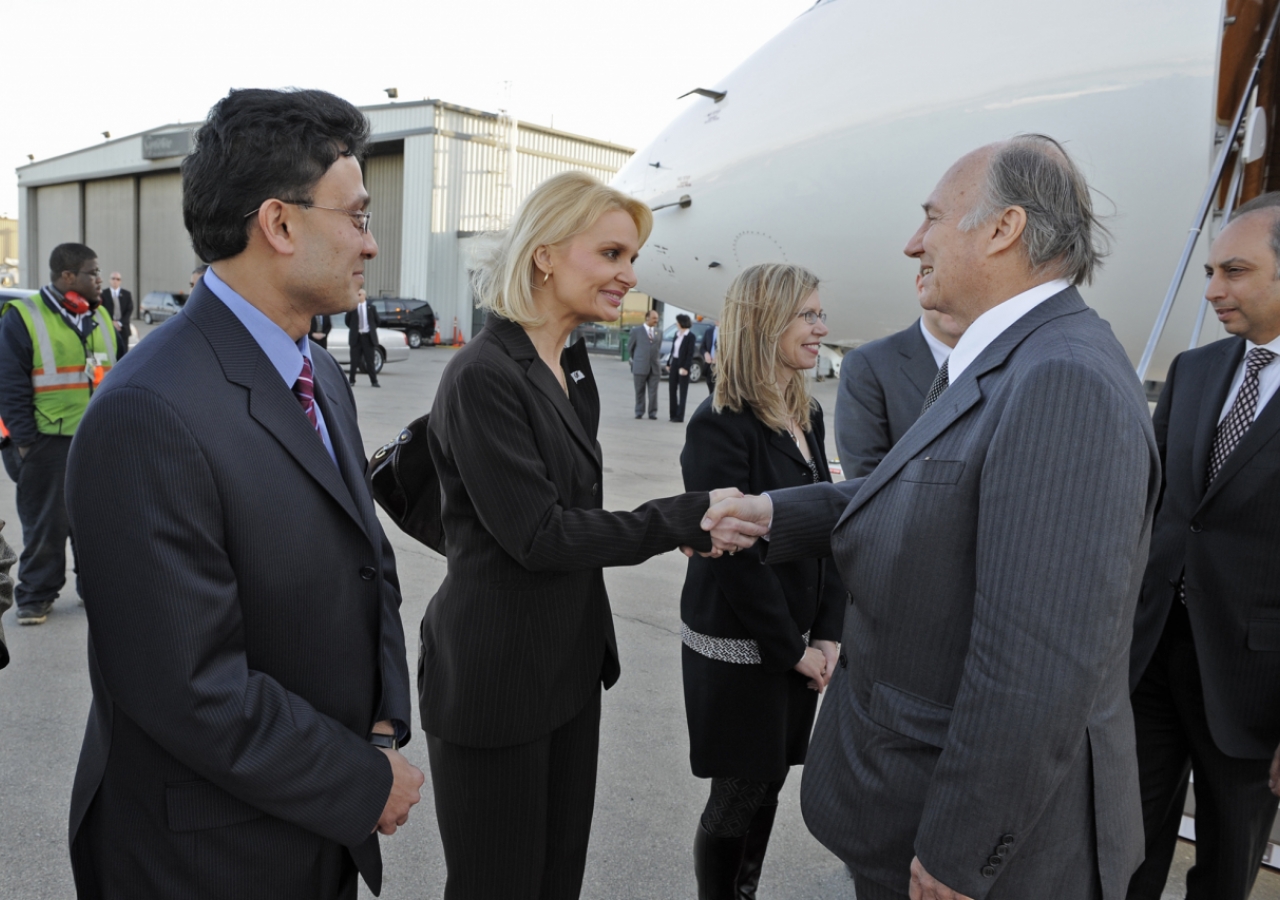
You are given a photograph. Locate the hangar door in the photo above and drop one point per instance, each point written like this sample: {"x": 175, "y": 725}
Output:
{"x": 165, "y": 257}
{"x": 110, "y": 228}
{"x": 57, "y": 222}
{"x": 384, "y": 179}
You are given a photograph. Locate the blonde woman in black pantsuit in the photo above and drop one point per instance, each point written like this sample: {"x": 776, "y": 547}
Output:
{"x": 519, "y": 639}
{"x": 760, "y": 642}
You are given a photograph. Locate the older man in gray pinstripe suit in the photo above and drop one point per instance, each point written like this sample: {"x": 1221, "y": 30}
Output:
{"x": 977, "y": 739}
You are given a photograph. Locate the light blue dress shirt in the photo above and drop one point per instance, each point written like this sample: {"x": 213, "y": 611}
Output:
{"x": 285, "y": 353}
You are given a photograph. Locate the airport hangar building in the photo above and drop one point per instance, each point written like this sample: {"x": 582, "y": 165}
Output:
{"x": 437, "y": 175}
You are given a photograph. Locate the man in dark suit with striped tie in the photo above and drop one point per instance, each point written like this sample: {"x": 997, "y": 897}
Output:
{"x": 248, "y": 701}
{"x": 1205, "y": 665}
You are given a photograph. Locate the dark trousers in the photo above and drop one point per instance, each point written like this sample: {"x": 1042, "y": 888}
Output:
{"x": 362, "y": 357}
{"x": 124, "y": 338}
{"x": 515, "y": 821}
{"x": 709, "y": 376}
{"x": 678, "y": 389}
{"x": 866, "y": 889}
{"x": 646, "y": 385}
{"x": 42, "y": 510}
{"x": 1234, "y": 807}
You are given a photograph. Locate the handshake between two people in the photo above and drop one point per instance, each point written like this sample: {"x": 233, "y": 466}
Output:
{"x": 736, "y": 521}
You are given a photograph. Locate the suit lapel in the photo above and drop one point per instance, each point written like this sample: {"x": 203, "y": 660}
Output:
{"x": 963, "y": 394}
{"x": 271, "y": 403}
{"x": 786, "y": 445}
{"x": 342, "y": 430}
{"x": 1263, "y": 430}
{"x": 1214, "y": 387}
{"x": 919, "y": 365}
{"x": 521, "y": 349}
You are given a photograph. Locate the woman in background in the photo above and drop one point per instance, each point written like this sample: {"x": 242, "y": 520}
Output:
{"x": 760, "y": 641}
{"x": 519, "y": 638}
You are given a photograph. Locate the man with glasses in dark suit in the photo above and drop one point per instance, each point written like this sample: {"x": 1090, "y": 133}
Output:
{"x": 248, "y": 703}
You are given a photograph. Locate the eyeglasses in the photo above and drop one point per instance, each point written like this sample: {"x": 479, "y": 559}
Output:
{"x": 812, "y": 318}
{"x": 359, "y": 217}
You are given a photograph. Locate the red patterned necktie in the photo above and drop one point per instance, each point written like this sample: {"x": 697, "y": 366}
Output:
{"x": 305, "y": 390}
{"x": 1241, "y": 416}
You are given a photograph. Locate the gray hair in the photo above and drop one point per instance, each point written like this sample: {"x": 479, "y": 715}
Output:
{"x": 1268, "y": 201}
{"x": 1063, "y": 234}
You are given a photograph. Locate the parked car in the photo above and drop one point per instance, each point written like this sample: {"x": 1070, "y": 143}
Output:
{"x": 698, "y": 329}
{"x": 393, "y": 346}
{"x": 160, "y": 305}
{"x": 595, "y": 334}
{"x": 7, "y": 294}
{"x": 414, "y": 317}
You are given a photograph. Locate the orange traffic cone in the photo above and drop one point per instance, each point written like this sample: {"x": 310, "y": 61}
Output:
{"x": 457, "y": 334}
{"x": 436, "y": 339}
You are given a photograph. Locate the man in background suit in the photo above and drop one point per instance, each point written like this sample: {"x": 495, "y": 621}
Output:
{"x": 248, "y": 701}
{"x": 362, "y": 335}
{"x": 709, "y": 347}
{"x": 119, "y": 304}
{"x": 645, "y": 349}
{"x": 882, "y": 389}
{"x": 320, "y": 328}
{"x": 976, "y": 740}
{"x": 683, "y": 346}
{"x": 1205, "y": 663}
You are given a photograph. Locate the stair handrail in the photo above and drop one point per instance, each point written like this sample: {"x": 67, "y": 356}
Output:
{"x": 1206, "y": 202}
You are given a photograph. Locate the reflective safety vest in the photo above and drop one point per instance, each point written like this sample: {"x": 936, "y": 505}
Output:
{"x": 64, "y": 368}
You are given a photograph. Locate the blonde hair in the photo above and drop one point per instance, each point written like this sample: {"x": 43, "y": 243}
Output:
{"x": 761, "y": 303}
{"x": 561, "y": 207}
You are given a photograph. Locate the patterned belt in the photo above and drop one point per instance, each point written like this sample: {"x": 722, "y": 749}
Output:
{"x": 742, "y": 651}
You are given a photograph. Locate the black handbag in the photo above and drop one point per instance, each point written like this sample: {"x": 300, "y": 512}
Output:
{"x": 404, "y": 483}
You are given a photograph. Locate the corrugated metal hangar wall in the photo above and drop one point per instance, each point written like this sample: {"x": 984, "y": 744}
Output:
{"x": 437, "y": 175}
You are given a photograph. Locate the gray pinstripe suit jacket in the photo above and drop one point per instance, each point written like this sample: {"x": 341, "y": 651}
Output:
{"x": 993, "y": 561}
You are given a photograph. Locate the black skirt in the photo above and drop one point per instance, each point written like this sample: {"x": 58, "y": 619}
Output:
{"x": 745, "y": 722}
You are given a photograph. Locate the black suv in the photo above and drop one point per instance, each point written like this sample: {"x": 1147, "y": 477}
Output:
{"x": 414, "y": 317}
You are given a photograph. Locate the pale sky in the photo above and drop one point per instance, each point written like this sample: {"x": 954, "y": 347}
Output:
{"x": 601, "y": 68}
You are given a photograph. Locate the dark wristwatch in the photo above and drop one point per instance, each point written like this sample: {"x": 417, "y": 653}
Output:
{"x": 385, "y": 741}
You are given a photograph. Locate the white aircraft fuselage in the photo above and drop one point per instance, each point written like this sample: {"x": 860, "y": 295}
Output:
{"x": 832, "y": 134}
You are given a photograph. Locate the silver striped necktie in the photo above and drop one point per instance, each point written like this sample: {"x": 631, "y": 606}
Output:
{"x": 940, "y": 383}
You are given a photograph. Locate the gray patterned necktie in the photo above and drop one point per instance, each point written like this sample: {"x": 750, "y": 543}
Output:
{"x": 940, "y": 383}
{"x": 1238, "y": 420}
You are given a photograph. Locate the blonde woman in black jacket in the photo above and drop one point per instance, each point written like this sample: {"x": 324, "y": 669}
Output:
{"x": 518, "y": 640}
{"x": 760, "y": 642}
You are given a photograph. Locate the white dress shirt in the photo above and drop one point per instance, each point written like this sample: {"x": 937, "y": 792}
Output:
{"x": 364, "y": 318}
{"x": 993, "y": 323}
{"x": 939, "y": 350}
{"x": 1268, "y": 379}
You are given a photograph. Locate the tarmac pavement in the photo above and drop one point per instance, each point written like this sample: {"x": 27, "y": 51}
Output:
{"x": 647, "y": 803}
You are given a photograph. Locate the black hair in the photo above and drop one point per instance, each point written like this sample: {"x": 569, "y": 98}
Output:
{"x": 200, "y": 269}
{"x": 68, "y": 258}
{"x": 257, "y": 145}
{"x": 684, "y": 321}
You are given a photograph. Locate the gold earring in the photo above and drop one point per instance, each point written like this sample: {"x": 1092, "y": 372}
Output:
{"x": 545, "y": 278}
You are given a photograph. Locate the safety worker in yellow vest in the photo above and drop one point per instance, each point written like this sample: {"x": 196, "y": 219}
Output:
{"x": 56, "y": 346}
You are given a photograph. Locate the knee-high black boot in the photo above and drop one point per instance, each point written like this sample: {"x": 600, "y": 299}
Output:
{"x": 753, "y": 852}
{"x": 715, "y": 864}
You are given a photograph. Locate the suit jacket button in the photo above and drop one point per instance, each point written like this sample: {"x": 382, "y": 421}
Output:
{"x": 988, "y": 871}
{"x": 844, "y": 661}
{"x": 1195, "y": 527}
{"x": 368, "y": 573}
{"x": 1007, "y": 839}
{"x": 1002, "y": 850}
{"x": 995, "y": 860}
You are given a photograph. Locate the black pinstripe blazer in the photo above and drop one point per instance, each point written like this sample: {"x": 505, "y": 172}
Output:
{"x": 1224, "y": 537}
{"x": 520, "y": 632}
{"x": 239, "y": 660}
